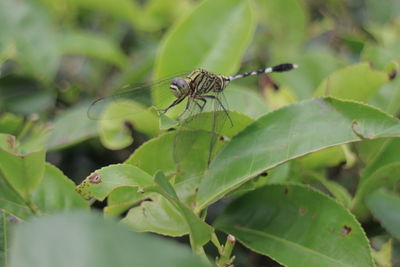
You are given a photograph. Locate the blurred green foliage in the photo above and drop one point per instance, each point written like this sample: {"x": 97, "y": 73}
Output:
{"x": 335, "y": 128}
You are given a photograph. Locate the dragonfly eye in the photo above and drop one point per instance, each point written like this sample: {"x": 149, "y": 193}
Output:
{"x": 179, "y": 87}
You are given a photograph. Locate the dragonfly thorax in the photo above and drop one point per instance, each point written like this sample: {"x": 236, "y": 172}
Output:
{"x": 179, "y": 87}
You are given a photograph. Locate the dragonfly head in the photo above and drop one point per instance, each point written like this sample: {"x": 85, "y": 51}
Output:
{"x": 179, "y": 87}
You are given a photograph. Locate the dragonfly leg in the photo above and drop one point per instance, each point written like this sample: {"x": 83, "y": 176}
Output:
{"x": 203, "y": 105}
{"x": 176, "y": 102}
{"x": 223, "y": 108}
{"x": 186, "y": 109}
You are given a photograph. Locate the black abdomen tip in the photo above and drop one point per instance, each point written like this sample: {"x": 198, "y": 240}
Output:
{"x": 284, "y": 67}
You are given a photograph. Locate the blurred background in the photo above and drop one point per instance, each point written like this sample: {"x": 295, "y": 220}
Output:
{"x": 58, "y": 56}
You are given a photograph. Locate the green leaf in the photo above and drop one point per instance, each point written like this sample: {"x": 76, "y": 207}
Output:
{"x": 121, "y": 199}
{"x": 89, "y": 240}
{"x": 215, "y": 35}
{"x": 11, "y": 202}
{"x": 10, "y": 123}
{"x": 56, "y": 193}
{"x": 22, "y": 172}
{"x": 382, "y": 170}
{"x": 386, "y": 175}
{"x": 30, "y": 29}
{"x": 287, "y": 33}
{"x": 101, "y": 183}
{"x": 297, "y": 226}
{"x": 79, "y": 126}
{"x": 115, "y": 134}
{"x": 7, "y": 142}
{"x": 4, "y": 238}
{"x": 345, "y": 83}
{"x": 155, "y": 155}
{"x": 122, "y": 9}
{"x": 313, "y": 68}
{"x": 93, "y": 46}
{"x": 245, "y": 101}
{"x": 289, "y": 133}
{"x": 158, "y": 215}
{"x": 386, "y": 208}
{"x": 200, "y": 232}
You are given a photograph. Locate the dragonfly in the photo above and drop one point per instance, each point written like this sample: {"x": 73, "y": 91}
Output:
{"x": 199, "y": 87}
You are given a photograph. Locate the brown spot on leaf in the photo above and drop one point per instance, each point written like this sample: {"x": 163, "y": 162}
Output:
{"x": 346, "y": 230}
{"x": 314, "y": 216}
{"x": 393, "y": 74}
{"x": 302, "y": 211}
{"x": 94, "y": 178}
{"x": 141, "y": 191}
{"x": 264, "y": 174}
{"x": 11, "y": 141}
{"x": 286, "y": 191}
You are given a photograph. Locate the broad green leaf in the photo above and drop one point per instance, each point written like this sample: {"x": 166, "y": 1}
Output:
{"x": 56, "y": 193}
{"x": 245, "y": 101}
{"x": 386, "y": 208}
{"x": 71, "y": 127}
{"x": 287, "y": 32}
{"x": 89, "y": 240}
{"x": 289, "y": 133}
{"x": 93, "y": 46}
{"x": 101, "y": 183}
{"x": 159, "y": 154}
{"x": 29, "y": 27}
{"x": 23, "y": 172}
{"x": 346, "y": 82}
{"x": 155, "y": 155}
{"x": 200, "y": 232}
{"x": 215, "y": 35}
{"x": 296, "y": 226}
{"x": 114, "y": 132}
{"x": 12, "y": 202}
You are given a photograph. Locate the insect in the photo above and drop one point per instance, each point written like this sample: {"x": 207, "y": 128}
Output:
{"x": 199, "y": 87}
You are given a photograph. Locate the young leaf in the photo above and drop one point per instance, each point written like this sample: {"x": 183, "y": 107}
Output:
{"x": 22, "y": 172}
{"x": 296, "y": 226}
{"x": 338, "y": 84}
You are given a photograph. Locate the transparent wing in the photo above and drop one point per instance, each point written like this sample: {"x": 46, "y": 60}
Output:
{"x": 211, "y": 124}
{"x": 140, "y": 94}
